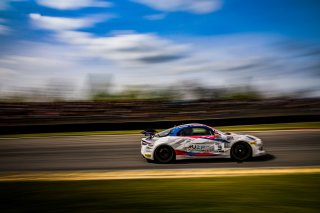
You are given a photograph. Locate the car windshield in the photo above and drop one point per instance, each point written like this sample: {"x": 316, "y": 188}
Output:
{"x": 164, "y": 133}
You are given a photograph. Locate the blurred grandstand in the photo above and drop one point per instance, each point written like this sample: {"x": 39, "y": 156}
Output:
{"x": 27, "y": 113}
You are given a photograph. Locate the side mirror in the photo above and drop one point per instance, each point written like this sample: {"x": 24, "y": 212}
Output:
{"x": 217, "y": 135}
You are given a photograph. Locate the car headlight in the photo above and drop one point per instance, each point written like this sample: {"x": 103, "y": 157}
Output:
{"x": 253, "y": 142}
{"x": 251, "y": 138}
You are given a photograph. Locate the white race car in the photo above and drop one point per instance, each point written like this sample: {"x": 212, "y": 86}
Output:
{"x": 198, "y": 141}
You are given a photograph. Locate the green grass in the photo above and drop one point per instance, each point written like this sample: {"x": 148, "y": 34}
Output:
{"x": 258, "y": 127}
{"x": 278, "y": 193}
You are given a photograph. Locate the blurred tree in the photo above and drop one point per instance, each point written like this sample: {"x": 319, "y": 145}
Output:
{"x": 99, "y": 86}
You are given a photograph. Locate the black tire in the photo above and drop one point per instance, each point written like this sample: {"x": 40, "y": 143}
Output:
{"x": 164, "y": 154}
{"x": 241, "y": 151}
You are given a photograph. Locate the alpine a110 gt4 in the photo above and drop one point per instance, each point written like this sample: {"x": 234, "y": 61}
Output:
{"x": 198, "y": 141}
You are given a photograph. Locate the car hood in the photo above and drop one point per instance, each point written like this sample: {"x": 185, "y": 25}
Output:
{"x": 236, "y": 137}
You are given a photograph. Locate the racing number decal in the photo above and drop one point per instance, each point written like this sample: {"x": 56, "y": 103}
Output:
{"x": 204, "y": 145}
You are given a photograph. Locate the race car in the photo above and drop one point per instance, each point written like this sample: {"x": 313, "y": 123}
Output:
{"x": 198, "y": 141}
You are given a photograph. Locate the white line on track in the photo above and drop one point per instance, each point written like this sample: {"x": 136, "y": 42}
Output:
{"x": 153, "y": 174}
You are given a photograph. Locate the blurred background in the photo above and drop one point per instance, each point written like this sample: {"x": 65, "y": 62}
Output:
{"x": 175, "y": 59}
{"x": 76, "y": 70}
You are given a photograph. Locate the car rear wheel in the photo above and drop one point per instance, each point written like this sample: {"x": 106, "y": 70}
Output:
{"x": 241, "y": 151}
{"x": 164, "y": 154}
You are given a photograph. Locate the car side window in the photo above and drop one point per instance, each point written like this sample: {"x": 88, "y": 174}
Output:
{"x": 195, "y": 131}
{"x": 201, "y": 131}
{"x": 185, "y": 132}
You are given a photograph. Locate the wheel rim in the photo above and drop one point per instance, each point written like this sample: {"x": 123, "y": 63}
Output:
{"x": 164, "y": 154}
{"x": 241, "y": 151}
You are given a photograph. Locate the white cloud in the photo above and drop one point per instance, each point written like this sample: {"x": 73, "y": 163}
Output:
{"x": 6, "y": 72}
{"x": 62, "y": 23}
{"x": 31, "y": 64}
{"x": 126, "y": 49}
{"x": 73, "y": 4}
{"x": 155, "y": 16}
{"x": 41, "y": 61}
{"x": 4, "y": 30}
{"x": 192, "y": 6}
{"x": 139, "y": 59}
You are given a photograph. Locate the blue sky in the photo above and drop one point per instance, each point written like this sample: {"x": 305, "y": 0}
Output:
{"x": 293, "y": 18}
{"x": 217, "y": 43}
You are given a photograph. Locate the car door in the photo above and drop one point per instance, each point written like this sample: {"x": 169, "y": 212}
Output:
{"x": 199, "y": 141}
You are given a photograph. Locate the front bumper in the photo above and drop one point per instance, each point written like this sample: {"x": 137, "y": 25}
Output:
{"x": 259, "y": 153}
{"x": 258, "y": 150}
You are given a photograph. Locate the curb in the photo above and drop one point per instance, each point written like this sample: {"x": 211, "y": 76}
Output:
{"x": 152, "y": 174}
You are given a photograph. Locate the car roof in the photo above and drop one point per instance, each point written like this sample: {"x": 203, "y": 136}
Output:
{"x": 177, "y": 128}
{"x": 191, "y": 125}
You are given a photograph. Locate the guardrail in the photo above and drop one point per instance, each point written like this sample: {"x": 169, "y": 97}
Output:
{"x": 81, "y": 127}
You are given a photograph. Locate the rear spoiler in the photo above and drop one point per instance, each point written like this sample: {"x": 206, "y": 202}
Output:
{"x": 149, "y": 132}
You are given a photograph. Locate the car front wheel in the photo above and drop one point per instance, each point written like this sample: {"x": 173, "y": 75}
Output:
{"x": 241, "y": 151}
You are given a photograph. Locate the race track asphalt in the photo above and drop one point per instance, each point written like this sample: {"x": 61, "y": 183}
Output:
{"x": 122, "y": 152}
